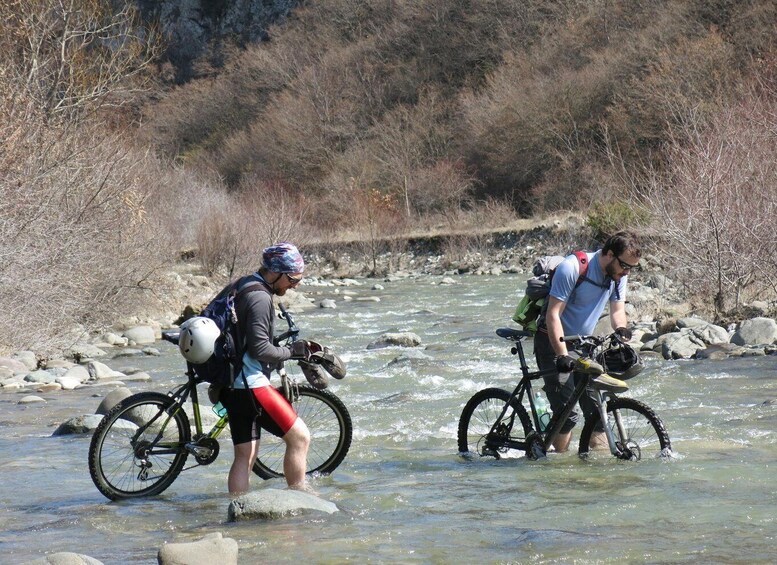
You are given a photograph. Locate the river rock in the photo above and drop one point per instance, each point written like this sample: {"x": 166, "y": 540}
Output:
{"x": 65, "y": 558}
{"x": 78, "y": 425}
{"x": 271, "y": 504}
{"x": 140, "y": 335}
{"x": 705, "y": 331}
{"x": 78, "y": 372}
{"x": 68, "y": 383}
{"x": 58, "y": 363}
{"x": 213, "y": 548}
{"x": 679, "y": 345}
{"x": 327, "y": 303}
{"x": 15, "y": 365}
{"x": 756, "y": 331}
{"x": 719, "y": 351}
{"x": 40, "y": 376}
{"x": 99, "y": 371}
{"x": 29, "y": 359}
{"x": 82, "y": 351}
{"x": 31, "y": 399}
{"x": 401, "y": 339}
{"x": 112, "y": 399}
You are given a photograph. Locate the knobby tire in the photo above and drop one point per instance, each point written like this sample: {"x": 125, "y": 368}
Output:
{"x": 644, "y": 429}
{"x": 119, "y": 465}
{"x": 479, "y": 415}
{"x": 331, "y": 431}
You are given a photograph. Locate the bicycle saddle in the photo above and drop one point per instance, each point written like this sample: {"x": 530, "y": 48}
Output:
{"x": 510, "y": 333}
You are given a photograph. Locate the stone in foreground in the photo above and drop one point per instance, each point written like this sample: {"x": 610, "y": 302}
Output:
{"x": 211, "y": 549}
{"x": 271, "y": 504}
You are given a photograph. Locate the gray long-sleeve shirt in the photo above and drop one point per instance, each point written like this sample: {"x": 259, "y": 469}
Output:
{"x": 256, "y": 323}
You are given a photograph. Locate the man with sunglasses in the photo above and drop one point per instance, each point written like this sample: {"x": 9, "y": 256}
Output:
{"x": 252, "y": 403}
{"x": 574, "y": 307}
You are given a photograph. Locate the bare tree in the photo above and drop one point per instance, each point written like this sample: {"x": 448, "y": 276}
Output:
{"x": 716, "y": 202}
{"x": 70, "y": 55}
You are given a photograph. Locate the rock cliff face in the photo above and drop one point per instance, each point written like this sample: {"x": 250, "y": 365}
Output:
{"x": 198, "y": 28}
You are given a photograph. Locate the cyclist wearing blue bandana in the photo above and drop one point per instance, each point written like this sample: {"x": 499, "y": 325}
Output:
{"x": 575, "y": 309}
{"x": 252, "y": 403}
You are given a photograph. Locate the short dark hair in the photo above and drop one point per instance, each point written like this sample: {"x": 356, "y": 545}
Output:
{"x": 621, "y": 242}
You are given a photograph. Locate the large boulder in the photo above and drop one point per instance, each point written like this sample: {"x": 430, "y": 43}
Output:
{"x": 15, "y": 365}
{"x": 271, "y": 504}
{"x": 678, "y": 345}
{"x": 757, "y": 331}
{"x": 213, "y": 548}
{"x": 140, "y": 335}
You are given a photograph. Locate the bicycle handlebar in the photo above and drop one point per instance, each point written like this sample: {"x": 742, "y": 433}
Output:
{"x": 293, "y": 330}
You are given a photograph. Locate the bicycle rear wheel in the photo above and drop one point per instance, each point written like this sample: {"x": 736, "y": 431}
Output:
{"x": 331, "y": 431}
{"x": 138, "y": 449}
{"x": 480, "y": 414}
{"x": 644, "y": 435}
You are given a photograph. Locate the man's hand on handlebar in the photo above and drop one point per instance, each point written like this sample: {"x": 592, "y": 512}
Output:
{"x": 565, "y": 364}
{"x": 624, "y": 334}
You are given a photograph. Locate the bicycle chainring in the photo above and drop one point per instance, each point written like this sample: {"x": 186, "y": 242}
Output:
{"x": 205, "y": 450}
{"x": 535, "y": 447}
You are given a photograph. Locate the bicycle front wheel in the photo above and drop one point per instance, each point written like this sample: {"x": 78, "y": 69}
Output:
{"x": 479, "y": 416}
{"x": 639, "y": 432}
{"x": 331, "y": 431}
{"x": 139, "y": 447}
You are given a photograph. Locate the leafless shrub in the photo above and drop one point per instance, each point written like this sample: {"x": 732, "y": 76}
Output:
{"x": 233, "y": 231}
{"x": 716, "y": 203}
{"x": 70, "y": 56}
{"x": 75, "y": 234}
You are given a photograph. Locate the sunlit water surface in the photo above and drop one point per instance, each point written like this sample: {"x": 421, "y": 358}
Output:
{"x": 404, "y": 493}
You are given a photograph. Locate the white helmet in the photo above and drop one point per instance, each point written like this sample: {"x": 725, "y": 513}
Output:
{"x": 198, "y": 339}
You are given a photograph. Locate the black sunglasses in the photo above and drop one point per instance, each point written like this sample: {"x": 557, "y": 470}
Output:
{"x": 293, "y": 280}
{"x": 626, "y": 266}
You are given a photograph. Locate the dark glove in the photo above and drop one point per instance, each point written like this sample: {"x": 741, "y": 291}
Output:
{"x": 623, "y": 333}
{"x": 300, "y": 350}
{"x": 565, "y": 364}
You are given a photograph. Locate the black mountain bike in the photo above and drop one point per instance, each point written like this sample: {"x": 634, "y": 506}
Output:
{"x": 143, "y": 443}
{"x": 495, "y": 423}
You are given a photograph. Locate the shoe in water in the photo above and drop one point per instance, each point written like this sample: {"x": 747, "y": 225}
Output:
{"x": 608, "y": 383}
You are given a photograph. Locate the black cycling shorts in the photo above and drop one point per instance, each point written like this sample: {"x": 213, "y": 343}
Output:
{"x": 247, "y": 417}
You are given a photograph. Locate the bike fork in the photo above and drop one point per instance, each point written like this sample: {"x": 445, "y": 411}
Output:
{"x": 611, "y": 440}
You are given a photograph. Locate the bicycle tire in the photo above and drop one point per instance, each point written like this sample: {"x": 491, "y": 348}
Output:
{"x": 479, "y": 415}
{"x": 115, "y": 463}
{"x": 331, "y": 431}
{"x": 645, "y": 432}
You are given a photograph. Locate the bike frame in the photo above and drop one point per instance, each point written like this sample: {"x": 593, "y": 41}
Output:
{"x": 524, "y": 387}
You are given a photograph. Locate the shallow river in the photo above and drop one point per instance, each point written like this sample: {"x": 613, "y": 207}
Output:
{"x": 405, "y": 494}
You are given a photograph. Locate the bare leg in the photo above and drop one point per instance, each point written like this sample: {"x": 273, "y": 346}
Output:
{"x": 295, "y": 459}
{"x": 561, "y": 443}
{"x": 239, "y": 473}
{"x": 598, "y": 441}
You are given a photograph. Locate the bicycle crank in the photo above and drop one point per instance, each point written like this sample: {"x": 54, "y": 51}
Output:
{"x": 535, "y": 448}
{"x": 205, "y": 450}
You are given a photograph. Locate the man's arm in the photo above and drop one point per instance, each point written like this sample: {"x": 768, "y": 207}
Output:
{"x": 618, "y": 317}
{"x": 553, "y": 323}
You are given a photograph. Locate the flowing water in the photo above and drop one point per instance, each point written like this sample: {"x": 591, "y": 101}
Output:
{"x": 404, "y": 493}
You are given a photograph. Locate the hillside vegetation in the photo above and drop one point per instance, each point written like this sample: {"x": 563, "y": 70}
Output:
{"x": 370, "y": 119}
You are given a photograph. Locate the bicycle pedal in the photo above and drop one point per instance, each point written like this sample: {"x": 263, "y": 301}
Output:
{"x": 608, "y": 383}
